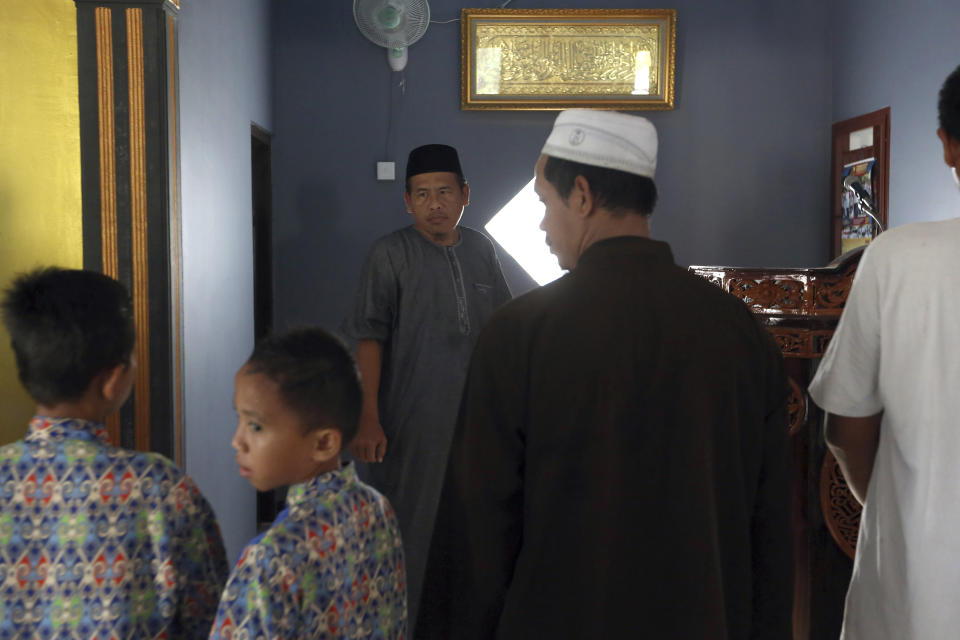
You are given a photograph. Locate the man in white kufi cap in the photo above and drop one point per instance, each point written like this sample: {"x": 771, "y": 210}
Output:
{"x": 619, "y": 468}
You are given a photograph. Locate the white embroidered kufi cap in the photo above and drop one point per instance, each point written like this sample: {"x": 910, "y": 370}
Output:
{"x": 604, "y": 139}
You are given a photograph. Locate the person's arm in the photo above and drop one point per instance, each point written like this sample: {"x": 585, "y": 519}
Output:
{"x": 260, "y": 599}
{"x": 198, "y": 561}
{"x": 371, "y": 323}
{"x": 853, "y": 442}
{"x": 847, "y": 383}
{"x": 501, "y": 289}
{"x": 370, "y": 443}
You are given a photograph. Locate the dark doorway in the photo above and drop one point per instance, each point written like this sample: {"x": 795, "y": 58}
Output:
{"x": 269, "y": 503}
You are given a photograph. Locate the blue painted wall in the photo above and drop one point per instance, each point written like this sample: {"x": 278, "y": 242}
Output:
{"x": 743, "y": 166}
{"x": 897, "y": 54}
{"x": 224, "y": 85}
{"x": 744, "y": 158}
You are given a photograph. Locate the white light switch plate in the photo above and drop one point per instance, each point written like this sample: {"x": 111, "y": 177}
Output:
{"x": 386, "y": 171}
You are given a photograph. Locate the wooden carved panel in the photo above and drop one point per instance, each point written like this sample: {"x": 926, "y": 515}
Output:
{"x": 775, "y": 294}
{"x": 713, "y": 278}
{"x": 830, "y": 292}
{"x": 841, "y": 511}
{"x": 796, "y": 407}
{"x": 792, "y": 342}
{"x": 801, "y": 343}
{"x": 817, "y": 292}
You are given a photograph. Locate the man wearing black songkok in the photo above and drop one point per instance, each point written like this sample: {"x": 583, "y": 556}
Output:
{"x": 424, "y": 293}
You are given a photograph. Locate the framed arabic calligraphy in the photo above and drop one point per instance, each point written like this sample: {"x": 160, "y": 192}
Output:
{"x": 541, "y": 59}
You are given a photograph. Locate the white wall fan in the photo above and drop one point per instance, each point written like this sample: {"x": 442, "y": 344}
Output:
{"x": 394, "y": 24}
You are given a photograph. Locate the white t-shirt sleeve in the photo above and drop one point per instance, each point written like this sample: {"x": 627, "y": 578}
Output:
{"x": 847, "y": 381}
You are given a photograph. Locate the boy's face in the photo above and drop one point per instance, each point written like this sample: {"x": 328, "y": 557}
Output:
{"x": 436, "y": 202}
{"x": 272, "y": 449}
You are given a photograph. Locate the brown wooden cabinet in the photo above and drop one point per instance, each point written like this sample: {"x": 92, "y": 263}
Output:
{"x": 801, "y": 309}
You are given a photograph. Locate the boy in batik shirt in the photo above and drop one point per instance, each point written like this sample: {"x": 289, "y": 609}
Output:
{"x": 331, "y": 565}
{"x": 95, "y": 541}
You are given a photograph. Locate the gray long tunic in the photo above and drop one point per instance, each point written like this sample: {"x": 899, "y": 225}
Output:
{"x": 425, "y": 304}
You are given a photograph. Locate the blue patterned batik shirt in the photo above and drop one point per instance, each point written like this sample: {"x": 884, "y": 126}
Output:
{"x": 102, "y": 542}
{"x": 330, "y": 566}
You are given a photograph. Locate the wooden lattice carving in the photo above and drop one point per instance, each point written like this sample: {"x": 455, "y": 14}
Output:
{"x": 821, "y": 342}
{"x": 714, "y": 278}
{"x": 832, "y": 292}
{"x": 768, "y": 293}
{"x": 796, "y": 407}
{"x": 841, "y": 511}
{"x": 791, "y": 343}
{"x": 795, "y": 342}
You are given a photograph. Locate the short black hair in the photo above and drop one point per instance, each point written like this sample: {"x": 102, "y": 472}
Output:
{"x": 949, "y": 105}
{"x": 618, "y": 191}
{"x": 460, "y": 181}
{"x": 316, "y": 375}
{"x": 66, "y": 326}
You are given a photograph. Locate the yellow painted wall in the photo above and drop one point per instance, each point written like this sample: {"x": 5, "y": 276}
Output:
{"x": 40, "y": 209}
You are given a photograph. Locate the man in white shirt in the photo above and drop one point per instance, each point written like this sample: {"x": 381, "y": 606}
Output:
{"x": 890, "y": 382}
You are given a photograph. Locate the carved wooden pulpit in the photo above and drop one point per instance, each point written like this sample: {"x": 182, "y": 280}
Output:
{"x": 801, "y": 308}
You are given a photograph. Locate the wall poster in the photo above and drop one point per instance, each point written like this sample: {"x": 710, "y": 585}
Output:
{"x": 857, "y": 227}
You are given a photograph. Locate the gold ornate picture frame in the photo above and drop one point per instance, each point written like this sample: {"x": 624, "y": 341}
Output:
{"x": 542, "y": 59}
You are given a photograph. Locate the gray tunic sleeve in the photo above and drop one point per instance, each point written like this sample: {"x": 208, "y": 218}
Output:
{"x": 501, "y": 291}
{"x": 375, "y": 303}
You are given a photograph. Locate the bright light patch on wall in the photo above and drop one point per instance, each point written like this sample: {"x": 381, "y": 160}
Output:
{"x": 517, "y": 228}
{"x": 641, "y": 74}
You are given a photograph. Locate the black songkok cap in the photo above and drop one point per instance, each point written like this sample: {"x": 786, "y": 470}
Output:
{"x": 433, "y": 157}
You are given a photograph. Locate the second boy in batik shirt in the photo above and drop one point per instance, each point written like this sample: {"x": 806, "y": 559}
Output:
{"x": 332, "y": 563}
{"x": 330, "y": 566}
